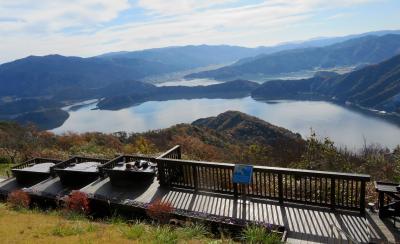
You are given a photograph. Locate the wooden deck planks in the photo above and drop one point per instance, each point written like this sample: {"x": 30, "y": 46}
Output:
{"x": 305, "y": 224}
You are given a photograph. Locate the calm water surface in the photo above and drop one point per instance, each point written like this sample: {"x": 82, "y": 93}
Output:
{"x": 346, "y": 127}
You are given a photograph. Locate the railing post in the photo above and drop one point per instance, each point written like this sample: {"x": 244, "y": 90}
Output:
{"x": 235, "y": 190}
{"x": 362, "y": 198}
{"x": 178, "y": 151}
{"x": 333, "y": 193}
{"x": 195, "y": 178}
{"x": 280, "y": 188}
{"x": 161, "y": 172}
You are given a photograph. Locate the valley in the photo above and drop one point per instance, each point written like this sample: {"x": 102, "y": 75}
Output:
{"x": 293, "y": 86}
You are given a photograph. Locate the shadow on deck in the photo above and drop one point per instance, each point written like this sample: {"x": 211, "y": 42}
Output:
{"x": 304, "y": 223}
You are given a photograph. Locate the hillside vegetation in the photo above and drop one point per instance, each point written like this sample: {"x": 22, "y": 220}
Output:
{"x": 230, "y": 137}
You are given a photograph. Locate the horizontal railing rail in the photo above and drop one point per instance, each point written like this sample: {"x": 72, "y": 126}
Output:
{"x": 329, "y": 189}
{"x": 173, "y": 153}
{"x": 35, "y": 161}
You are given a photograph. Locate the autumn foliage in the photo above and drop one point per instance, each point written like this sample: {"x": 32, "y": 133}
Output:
{"x": 160, "y": 211}
{"x": 77, "y": 202}
{"x": 18, "y": 199}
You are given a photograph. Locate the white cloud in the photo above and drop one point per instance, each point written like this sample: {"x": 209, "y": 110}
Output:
{"x": 170, "y": 7}
{"x": 47, "y": 15}
{"x": 174, "y": 22}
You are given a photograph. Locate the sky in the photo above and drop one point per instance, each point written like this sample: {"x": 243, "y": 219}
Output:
{"x": 92, "y": 27}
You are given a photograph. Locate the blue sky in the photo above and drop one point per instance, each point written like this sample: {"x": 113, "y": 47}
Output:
{"x": 91, "y": 27}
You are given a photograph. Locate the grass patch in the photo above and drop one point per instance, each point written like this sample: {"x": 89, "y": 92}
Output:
{"x": 165, "y": 234}
{"x": 73, "y": 228}
{"x": 258, "y": 234}
{"x": 134, "y": 232}
{"x": 116, "y": 219}
{"x": 71, "y": 215}
{"x": 35, "y": 226}
{"x": 193, "y": 231}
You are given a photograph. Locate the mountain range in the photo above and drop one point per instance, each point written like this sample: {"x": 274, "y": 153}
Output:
{"x": 38, "y": 76}
{"x": 34, "y": 89}
{"x": 354, "y": 52}
{"x": 230, "y": 89}
{"x": 375, "y": 86}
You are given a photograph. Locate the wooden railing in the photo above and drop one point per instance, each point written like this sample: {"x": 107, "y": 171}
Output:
{"x": 35, "y": 161}
{"x": 328, "y": 189}
{"x": 173, "y": 153}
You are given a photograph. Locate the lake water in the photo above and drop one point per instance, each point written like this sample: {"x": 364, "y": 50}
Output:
{"x": 193, "y": 82}
{"x": 343, "y": 125}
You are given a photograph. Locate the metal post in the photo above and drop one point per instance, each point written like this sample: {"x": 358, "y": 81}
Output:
{"x": 195, "y": 178}
{"x": 362, "y": 198}
{"x": 280, "y": 188}
{"x": 235, "y": 190}
{"x": 333, "y": 195}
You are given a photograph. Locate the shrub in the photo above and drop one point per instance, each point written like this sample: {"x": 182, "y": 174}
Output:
{"x": 18, "y": 199}
{"x": 77, "y": 202}
{"x": 259, "y": 234}
{"x": 160, "y": 211}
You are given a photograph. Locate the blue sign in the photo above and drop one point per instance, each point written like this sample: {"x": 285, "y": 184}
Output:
{"x": 242, "y": 174}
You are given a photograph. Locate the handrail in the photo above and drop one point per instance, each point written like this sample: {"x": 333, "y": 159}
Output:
{"x": 176, "y": 149}
{"x": 275, "y": 169}
{"x": 328, "y": 189}
{"x": 349, "y": 238}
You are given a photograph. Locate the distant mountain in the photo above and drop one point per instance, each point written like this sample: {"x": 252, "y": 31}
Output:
{"x": 38, "y": 76}
{"x": 359, "y": 51}
{"x": 232, "y": 89}
{"x": 375, "y": 86}
{"x": 191, "y": 56}
{"x": 42, "y": 76}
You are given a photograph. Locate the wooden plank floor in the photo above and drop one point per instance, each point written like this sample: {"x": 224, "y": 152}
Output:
{"x": 305, "y": 224}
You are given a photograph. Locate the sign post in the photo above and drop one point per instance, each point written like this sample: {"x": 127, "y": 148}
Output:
{"x": 242, "y": 175}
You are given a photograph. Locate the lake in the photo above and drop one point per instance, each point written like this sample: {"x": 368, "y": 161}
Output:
{"x": 343, "y": 125}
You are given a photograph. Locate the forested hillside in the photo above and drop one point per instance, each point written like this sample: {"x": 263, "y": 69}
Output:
{"x": 230, "y": 137}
